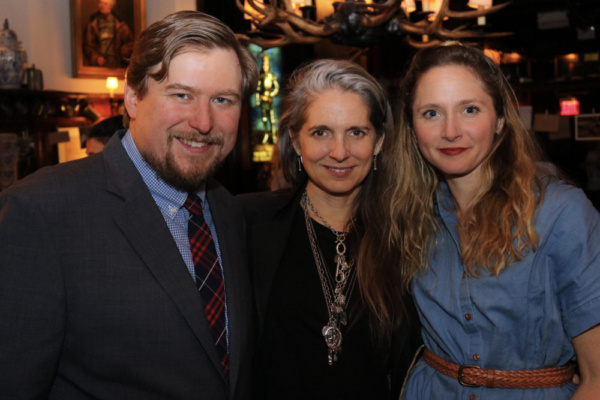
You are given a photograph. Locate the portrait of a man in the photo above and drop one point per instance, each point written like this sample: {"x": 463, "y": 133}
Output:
{"x": 108, "y": 40}
{"x": 103, "y": 33}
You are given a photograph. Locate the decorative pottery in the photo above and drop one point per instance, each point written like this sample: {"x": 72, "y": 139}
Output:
{"x": 13, "y": 59}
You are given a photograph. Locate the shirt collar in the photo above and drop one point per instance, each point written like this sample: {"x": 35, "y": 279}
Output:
{"x": 163, "y": 193}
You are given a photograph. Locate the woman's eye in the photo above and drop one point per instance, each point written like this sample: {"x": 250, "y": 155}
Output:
{"x": 430, "y": 113}
{"x": 356, "y": 132}
{"x": 318, "y": 133}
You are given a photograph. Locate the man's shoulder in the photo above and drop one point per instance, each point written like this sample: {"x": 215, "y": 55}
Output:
{"x": 59, "y": 177}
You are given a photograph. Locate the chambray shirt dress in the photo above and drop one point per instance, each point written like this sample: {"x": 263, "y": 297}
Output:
{"x": 523, "y": 319}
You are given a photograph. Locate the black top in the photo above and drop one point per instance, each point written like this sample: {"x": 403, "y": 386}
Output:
{"x": 292, "y": 355}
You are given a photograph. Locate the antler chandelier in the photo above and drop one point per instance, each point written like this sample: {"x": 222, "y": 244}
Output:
{"x": 277, "y": 22}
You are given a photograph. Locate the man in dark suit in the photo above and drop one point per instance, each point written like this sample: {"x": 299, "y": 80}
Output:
{"x": 99, "y": 293}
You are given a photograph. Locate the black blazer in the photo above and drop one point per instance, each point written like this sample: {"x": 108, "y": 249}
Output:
{"x": 95, "y": 299}
{"x": 269, "y": 217}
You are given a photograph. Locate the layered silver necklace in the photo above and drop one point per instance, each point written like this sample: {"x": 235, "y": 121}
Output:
{"x": 345, "y": 278}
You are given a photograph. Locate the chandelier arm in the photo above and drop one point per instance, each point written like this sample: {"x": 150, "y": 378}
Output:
{"x": 476, "y": 13}
{"x": 319, "y": 29}
{"x": 387, "y": 13}
{"x": 421, "y": 45}
{"x": 255, "y": 13}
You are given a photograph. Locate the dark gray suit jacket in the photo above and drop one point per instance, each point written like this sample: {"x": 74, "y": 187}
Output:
{"x": 95, "y": 299}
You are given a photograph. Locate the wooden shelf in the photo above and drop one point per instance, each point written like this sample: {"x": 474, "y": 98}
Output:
{"x": 35, "y": 114}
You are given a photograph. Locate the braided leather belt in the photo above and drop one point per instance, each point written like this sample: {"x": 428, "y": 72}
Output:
{"x": 473, "y": 375}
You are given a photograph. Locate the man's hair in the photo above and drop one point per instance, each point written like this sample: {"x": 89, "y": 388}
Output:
{"x": 176, "y": 33}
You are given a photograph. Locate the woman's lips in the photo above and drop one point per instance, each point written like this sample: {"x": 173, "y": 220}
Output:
{"x": 453, "y": 151}
{"x": 339, "y": 171}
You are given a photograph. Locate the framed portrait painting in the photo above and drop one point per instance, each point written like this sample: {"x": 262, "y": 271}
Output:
{"x": 102, "y": 35}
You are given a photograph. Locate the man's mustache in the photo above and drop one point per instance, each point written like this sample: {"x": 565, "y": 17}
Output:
{"x": 197, "y": 137}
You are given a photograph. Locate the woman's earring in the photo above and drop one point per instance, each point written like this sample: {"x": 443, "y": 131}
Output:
{"x": 299, "y": 163}
{"x": 375, "y": 162}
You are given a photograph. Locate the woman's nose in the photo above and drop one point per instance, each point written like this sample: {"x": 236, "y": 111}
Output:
{"x": 452, "y": 129}
{"x": 339, "y": 148}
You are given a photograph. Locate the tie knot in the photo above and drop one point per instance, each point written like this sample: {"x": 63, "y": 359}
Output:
{"x": 193, "y": 204}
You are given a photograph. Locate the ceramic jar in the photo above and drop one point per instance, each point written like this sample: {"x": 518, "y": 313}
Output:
{"x": 13, "y": 59}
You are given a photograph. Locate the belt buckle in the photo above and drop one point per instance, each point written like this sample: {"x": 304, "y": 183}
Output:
{"x": 461, "y": 375}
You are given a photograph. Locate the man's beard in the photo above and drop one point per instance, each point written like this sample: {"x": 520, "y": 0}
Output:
{"x": 167, "y": 170}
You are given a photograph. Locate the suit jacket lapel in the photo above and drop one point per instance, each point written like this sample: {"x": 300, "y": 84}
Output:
{"x": 269, "y": 241}
{"x": 228, "y": 225}
{"x": 143, "y": 224}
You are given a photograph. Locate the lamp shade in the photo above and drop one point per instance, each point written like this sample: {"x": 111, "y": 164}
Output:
{"x": 324, "y": 8}
{"x": 409, "y": 6}
{"x": 480, "y": 3}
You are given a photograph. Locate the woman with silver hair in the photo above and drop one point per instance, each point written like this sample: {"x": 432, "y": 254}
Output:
{"x": 320, "y": 336}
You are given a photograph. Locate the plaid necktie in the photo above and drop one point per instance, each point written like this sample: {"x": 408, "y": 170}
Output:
{"x": 208, "y": 276}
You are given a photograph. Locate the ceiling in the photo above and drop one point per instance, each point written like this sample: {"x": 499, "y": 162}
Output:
{"x": 521, "y": 17}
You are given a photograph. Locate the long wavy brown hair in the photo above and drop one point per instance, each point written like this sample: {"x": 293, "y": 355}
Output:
{"x": 498, "y": 225}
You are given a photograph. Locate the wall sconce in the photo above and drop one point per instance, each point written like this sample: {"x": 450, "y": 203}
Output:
{"x": 480, "y": 5}
{"x": 112, "y": 83}
{"x": 569, "y": 107}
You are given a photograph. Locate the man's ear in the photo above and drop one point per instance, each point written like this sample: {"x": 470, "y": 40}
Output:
{"x": 130, "y": 100}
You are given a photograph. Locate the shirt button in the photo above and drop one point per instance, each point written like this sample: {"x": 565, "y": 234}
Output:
{"x": 472, "y": 397}
{"x": 468, "y": 316}
{"x": 173, "y": 210}
{"x": 476, "y": 357}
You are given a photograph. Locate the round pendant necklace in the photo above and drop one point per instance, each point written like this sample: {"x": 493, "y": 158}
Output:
{"x": 345, "y": 278}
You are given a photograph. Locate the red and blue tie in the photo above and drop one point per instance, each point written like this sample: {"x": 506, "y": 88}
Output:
{"x": 209, "y": 278}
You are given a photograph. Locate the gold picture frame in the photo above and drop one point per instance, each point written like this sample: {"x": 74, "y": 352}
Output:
{"x": 93, "y": 59}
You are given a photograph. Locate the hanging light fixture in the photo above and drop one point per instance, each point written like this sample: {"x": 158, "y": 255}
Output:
{"x": 297, "y": 5}
{"x": 357, "y": 22}
{"x": 324, "y": 8}
{"x": 480, "y": 5}
{"x": 409, "y": 6}
{"x": 432, "y": 6}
